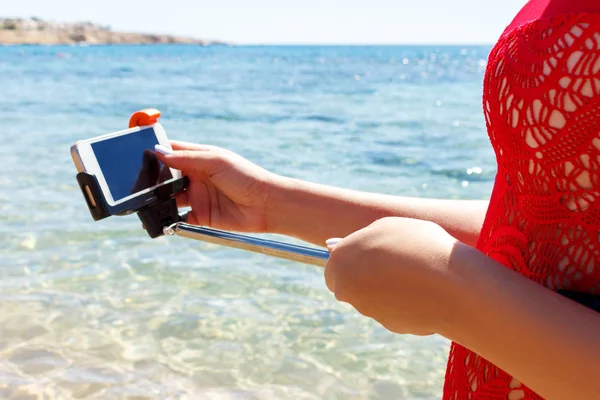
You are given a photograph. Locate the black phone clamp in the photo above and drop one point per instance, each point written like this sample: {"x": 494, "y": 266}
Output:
{"x": 156, "y": 208}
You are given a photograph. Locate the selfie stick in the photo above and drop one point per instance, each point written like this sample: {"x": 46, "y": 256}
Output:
{"x": 158, "y": 212}
{"x": 272, "y": 248}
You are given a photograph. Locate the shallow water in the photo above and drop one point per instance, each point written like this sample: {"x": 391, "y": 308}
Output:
{"x": 98, "y": 310}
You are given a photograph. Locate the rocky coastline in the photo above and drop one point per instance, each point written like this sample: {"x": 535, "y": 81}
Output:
{"x": 35, "y": 31}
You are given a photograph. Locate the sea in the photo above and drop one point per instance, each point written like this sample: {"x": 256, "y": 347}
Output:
{"x": 99, "y": 310}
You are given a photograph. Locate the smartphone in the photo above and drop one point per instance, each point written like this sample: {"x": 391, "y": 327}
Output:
{"x": 124, "y": 163}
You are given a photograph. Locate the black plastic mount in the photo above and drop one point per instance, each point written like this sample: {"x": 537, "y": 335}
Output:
{"x": 156, "y": 209}
{"x": 158, "y": 216}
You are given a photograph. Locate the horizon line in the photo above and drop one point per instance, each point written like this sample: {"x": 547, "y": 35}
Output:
{"x": 228, "y": 44}
{"x": 364, "y": 44}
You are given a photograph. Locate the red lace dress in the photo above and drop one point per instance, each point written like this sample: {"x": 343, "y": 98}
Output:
{"x": 542, "y": 108}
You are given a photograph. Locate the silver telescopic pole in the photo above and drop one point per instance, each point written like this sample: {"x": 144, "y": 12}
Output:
{"x": 292, "y": 252}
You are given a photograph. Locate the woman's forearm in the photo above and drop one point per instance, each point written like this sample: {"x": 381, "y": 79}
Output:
{"x": 315, "y": 213}
{"x": 547, "y": 342}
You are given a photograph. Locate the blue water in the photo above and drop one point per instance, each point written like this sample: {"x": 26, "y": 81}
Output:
{"x": 98, "y": 310}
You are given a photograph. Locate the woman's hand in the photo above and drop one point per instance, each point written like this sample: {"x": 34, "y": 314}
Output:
{"x": 396, "y": 272}
{"x": 225, "y": 191}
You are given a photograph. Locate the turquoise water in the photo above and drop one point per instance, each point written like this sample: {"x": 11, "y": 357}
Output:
{"x": 98, "y": 310}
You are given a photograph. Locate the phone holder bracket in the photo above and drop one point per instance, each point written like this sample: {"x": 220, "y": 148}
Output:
{"x": 155, "y": 209}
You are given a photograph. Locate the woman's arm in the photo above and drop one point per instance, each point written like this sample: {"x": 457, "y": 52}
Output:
{"x": 413, "y": 277}
{"x": 315, "y": 213}
{"x": 549, "y": 343}
{"x": 227, "y": 191}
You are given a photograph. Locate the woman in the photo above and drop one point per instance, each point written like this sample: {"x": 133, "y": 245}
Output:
{"x": 483, "y": 274}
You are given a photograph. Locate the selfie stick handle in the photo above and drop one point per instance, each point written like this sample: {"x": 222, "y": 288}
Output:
{"x": 288, "y": 251}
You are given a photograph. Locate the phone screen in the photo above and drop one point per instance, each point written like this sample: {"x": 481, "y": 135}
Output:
{"x": 129, "y": 164}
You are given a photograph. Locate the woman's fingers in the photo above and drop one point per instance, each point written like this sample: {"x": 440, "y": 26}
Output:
{"x": 205, "y": 162}
{"x": 179, "y": 145}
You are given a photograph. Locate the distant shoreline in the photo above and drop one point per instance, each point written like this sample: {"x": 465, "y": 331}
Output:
{"x": 34, "y": 31}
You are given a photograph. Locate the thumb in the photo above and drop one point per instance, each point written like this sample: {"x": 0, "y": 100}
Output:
{"x": 329, "y": 275}
{"x": 332, "y": 242}
{"x": 204, "y": 161}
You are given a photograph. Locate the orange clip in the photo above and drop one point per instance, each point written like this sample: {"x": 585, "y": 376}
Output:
{"x": 149, "y": 116}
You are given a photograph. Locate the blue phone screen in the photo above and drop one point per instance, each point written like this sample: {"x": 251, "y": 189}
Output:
{"x": 129, "y": 163}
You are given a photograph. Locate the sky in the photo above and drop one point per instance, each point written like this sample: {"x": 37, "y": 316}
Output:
{"x": 290, "y": 21}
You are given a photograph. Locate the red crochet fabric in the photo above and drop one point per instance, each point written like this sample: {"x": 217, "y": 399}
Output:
{"x": 542, "y": 108}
